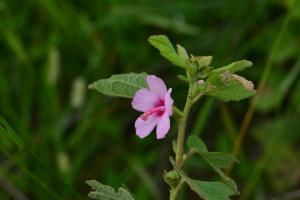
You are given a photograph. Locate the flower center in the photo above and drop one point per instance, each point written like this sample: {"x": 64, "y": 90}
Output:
{"x": 152, "y": 111}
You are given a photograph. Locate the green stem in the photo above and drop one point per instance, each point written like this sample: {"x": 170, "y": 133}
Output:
{"x": 174, "y": 191}
{"x": 191, "y": 99}
{"x": 181, "y": 131}
{"x": 180, "y": 141}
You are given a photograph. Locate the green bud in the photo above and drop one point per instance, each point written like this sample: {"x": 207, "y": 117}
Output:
{"x": 203, "y": 61}
{"x": 199, "y": 66}
{"x": 192, "y": 68}
{"x": 172, "y": 178}
{"x": 201, "y": 86}
{"x": 198, "y": 87}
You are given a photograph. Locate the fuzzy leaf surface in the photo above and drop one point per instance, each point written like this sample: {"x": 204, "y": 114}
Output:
{"x": 105, "y": 192}
{"x": 229, "y": 87}
{"x": 121, "y": 85}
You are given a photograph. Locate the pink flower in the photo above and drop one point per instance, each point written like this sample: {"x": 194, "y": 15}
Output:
{"x": 156, "y": 104}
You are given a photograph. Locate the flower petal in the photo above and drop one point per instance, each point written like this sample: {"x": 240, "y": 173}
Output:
{"x": 144, "y": 128}
{"x": 163, "y": 126}
{"x": 157, "y": 86}
{"x": 143, "y": 100}
{"x": 169, "y": 102}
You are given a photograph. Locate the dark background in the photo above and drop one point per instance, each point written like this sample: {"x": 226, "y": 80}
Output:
{"x": 50, "y": 50}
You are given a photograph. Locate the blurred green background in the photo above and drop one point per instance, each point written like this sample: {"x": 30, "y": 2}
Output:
{"x": 50, "y": 50}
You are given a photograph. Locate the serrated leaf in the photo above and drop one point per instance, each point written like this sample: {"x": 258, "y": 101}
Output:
{"x": 105, "y": 192}
{"x": 166, "y": 49}
{"x": 229, "y": 87}
{"x": 121, "y": 85}
{"x": 196, "y": 143}
{"x": 208, "y": 190}
{"x": 235, "y": 66}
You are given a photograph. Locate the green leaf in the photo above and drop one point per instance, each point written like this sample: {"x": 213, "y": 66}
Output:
{"x": 229, "y": 87}
{"x": 208, "y": 190}
{"x": 166, "y": 49}
{"x": 172, "y": 178}
{"x": 218, "y": 159}
{"x": 196, "y": 143}
{"x": 121, "y": 85}
{"x": 235, "y": 66}
{"x": 105, "y": 192}
{"x": 182, "y": 52}
{"x": 183, "y": 78}
{"x": 202, "y": 61}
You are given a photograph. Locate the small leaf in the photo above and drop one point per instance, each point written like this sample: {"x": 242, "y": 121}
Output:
{"x": 229, "y": 87}
{"x": 235, "y": 66}
{"x": 196, "y": 143}
{"x": 166, "y": 49}
{"x": 121, "y": 85}
{"x": 105, "y": 192}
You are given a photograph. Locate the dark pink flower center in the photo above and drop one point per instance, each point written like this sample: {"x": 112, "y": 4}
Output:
{"x": 158, "y": 111}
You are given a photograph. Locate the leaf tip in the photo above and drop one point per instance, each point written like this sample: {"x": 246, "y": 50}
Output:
{"x": 89, "y": 182}
{"x": 151, "y": 37}
{"x": 248, "y": 63}
{"x": 91, "y": 86}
